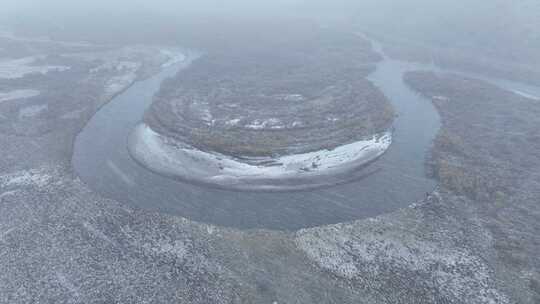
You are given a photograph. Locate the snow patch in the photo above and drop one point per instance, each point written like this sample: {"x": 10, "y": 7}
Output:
{"x": 117, "y": 84}
{"x": 73, "y": 114}
{"x": 118, "y": 66}
{"x": 36, "y": 177}
{"x": 18, "y": 94}
{"x": 271, "y": 123}
{"x": 32, "y": 111}
{"x": 440, "y": 98}
{"x": 18, "y": 68}
{"x": 178, "y": 248}
{"x": 174, "y": 57}
{"x": 93, "y": 230}
{"x": 67, "y": 284}
{"x": 204, "y": 113}
{"x": 290, "y": 97}
{"x": 233, "y": 122}
{"x": 8, "y": 193}
{"x": 127, "y": 74}
{"x": 526, "y": 95}
{"x": 357, "y": 253}
{"x": 297, "y": 124}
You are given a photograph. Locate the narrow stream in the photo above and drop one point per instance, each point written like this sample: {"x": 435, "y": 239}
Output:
{"x": 395, "y": 180}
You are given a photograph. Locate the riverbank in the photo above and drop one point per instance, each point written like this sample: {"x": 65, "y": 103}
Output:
{"x": 289, "y": 172}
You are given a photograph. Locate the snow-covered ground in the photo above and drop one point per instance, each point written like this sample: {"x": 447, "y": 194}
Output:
{"x": 233, "y": 122}
{"x": 126, "y": 75}
{"x": 118, "y": 65}
{"x": 124, "y": 64}
{"x": 526, "y": 95}
{"x": 18, "y": 94}
{"x": 272, "y": 123}
{"x": 18, "y": 68}
{"x": 440, "y": 98}
{"x": 38, "y": 177}
{"x": 174, "y": 56}
{"x": 117, "y": 84}
{"x": 32, "y": 111}
{"x": 290, "y": 97}
{"x": 372, "y": 249}
{"x": 158, "y": 154}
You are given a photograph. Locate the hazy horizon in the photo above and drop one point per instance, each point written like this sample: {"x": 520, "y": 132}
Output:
{"x": 499, "y": 28}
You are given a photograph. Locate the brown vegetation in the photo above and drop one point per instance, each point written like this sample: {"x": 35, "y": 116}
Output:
{"x": 298, "y": 94}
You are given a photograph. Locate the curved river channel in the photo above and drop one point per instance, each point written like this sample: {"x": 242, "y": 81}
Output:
{"x": 395, "y": 180}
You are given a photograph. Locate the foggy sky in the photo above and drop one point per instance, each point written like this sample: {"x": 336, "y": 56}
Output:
{"x": 512, "y": 27}
{"x": 168, "y": 6}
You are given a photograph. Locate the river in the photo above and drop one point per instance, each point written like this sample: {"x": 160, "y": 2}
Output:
{"x": 394, "y": 181}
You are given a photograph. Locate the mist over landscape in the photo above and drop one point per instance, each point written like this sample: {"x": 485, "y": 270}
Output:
{"x": 286, "y": 151}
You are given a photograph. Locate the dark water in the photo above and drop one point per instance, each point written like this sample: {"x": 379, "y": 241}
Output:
{"x": 395, "y": 180}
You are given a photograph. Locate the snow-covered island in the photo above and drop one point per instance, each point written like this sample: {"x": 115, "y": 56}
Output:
{"x": 258, "y": 120}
